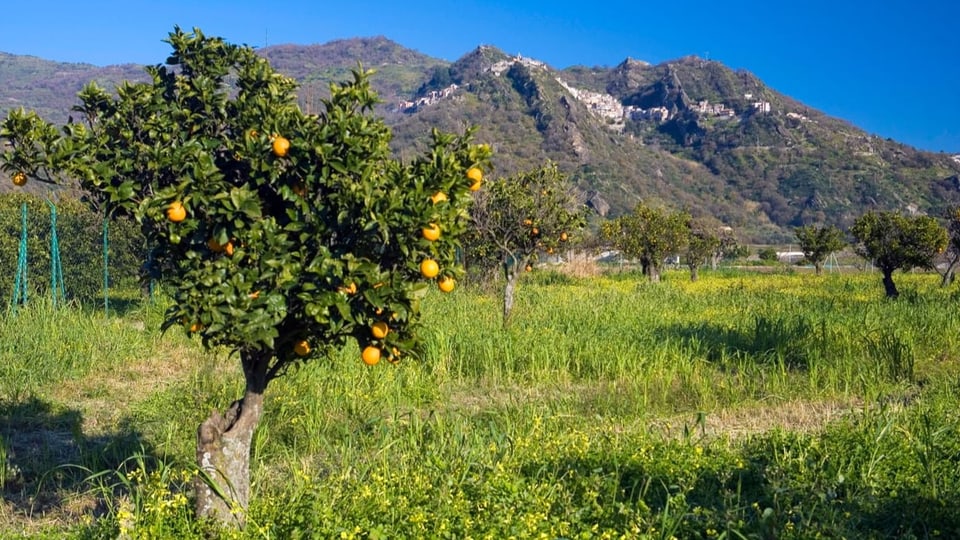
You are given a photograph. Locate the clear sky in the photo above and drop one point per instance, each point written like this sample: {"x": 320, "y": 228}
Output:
{"x": 891, "y": 67}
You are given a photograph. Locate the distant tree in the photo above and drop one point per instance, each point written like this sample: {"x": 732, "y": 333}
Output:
{"x": 818, "y": 243}
{"x": 728, "y": 248}
{"x": 516, "y": 217}
{"x": 768, "y": 254}
{"x": 893, "y": 241}
{"x": 952, "y": 253}
{"x": 703, "y": 242}
{"x": 648, "y": 234}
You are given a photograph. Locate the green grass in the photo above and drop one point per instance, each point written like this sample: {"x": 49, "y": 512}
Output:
{"x": 740, "y": 406}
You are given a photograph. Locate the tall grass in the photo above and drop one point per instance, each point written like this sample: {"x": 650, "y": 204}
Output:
{"x": 599, "y": 412}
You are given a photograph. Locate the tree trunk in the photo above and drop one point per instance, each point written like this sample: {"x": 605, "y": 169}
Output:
{"x": 694, "y": 272}
{"x": 223, "y": 449}
{"x": 653, "y": 273}
{"x": 818, "y": 267}
{"x": 512, "y": 277}
{"x": 946, "y": 278}
{"x": 888, "y": 284}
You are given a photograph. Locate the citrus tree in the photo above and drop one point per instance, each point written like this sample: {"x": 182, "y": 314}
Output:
{"x": 281, "y": 236}
{"x": 648, "y": 234}
{"x": 893, "y": 242}
{"x": 517, "y": 217}
{"x": 951, "y": 257}
{"x": 818, "y": 243}
{"x": 703, "y": 243}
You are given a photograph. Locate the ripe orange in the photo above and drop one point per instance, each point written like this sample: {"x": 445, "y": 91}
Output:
{"x": 228, "y": 249}
{"x": 429, "y": 268}
{"x": 19, "y": 178}
{"x": 529, "y": 268}
{"x": 535, "y": 231}
{"x": 528, "y": 222}
{"x": 379, "y": 330}
{"x": 476, "y": 177}
{"x": 438, "y": 197}
{"x": 281, "y": 146}
{"x": 195, "y": 327}
{"x": 431, "y": 232}
{"x": 301, "y": 348}
{"x": 563, "y": 237}
{"x": 176, "y": 212}
{"x": 446, "y": 283}
{"x": 371, "y": 355}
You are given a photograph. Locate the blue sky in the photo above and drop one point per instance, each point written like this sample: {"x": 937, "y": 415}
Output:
{"x": 891, "y": 67}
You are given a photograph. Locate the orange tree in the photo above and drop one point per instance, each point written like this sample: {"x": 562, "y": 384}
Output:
{"x": 648, "y": 234}
{"x": 893, "y": 241}
{"x": 818, "y": 243}
{"x": 280, "y": 235}
{"x": 703, "y": 243}
{"x": 519, "y": 216}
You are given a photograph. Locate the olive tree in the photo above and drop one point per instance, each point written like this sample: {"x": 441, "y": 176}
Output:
{"x": 818, "y": 243}
{"x": 515, "y": 218}
{"x": 893, "y": 241}
{"x": 280, "y": 235}
{"x": 648, "y": 234}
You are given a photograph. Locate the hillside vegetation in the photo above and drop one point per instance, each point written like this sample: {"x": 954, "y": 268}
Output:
{"x": 687, "y": 133}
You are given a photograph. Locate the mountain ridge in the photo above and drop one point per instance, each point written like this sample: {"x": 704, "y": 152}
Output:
{"x": 688, "y": 132}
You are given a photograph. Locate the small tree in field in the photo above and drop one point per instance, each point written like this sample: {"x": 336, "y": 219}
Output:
{"x": 516, "y": 217}
{"x": 952, "y": 253}
{"x": 818, "y": 243}
{"x": 279, "y": 235}
{"x": 648, "y": 234}
{"x": 893, "y": 241}
{"x": 703, "y": 243}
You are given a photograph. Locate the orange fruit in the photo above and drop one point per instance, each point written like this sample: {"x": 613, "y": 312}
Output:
{"x": 19, "y": 179}
{"x": 228, "y": 249}
{"x": 529, "y": 268}
{"x": 535, "y": 231}
{"x": 438, "y": 197}
{"x": 281, "y": 146}
{"x": 446, "y": 283}
{"x": 528, "y": 222}
{"x": 429, "y": 268}
{"x": 379, "y": 330}
{"x": 195, "y": 327}
{"x": 371, "y": 355}
{"x": 431, "y": 232}
{"x": 563, "y": 237}
{"x": 176, "y": 212}
{"x": 476, "y": 177}
{"x": 301, "y": 348}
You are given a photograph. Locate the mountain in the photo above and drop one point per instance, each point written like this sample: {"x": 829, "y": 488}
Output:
{"x": 687, "y": 133}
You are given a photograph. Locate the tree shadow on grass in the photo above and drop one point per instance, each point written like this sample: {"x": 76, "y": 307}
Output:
{"x": 46, "y": 459}
{"x": 787, "y": 341}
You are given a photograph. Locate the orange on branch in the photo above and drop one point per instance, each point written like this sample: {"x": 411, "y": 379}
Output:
{"x": 563, "y": 237}
{"x": 19, "y": 178}
{"x": 438, "y": 197}
{"x": 379, "y": 330}
{"x": 446, "y": 283}
{"x": 301, "y": 348}
{"x": 280, "y": 146}
{"x": 431, "y": 232}
{"x": 429, "y": 268}
{"x": 476, "y": 178}
{"x": 228, "y": 249}
{"x": 176, "y": 212}
{"x": 371, "y": 355}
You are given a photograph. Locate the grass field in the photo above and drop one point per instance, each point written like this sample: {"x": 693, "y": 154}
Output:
{"x": 745, "y": 405}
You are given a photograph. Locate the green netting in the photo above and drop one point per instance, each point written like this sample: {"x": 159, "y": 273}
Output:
{"x": 20, "y": 282}
{"x": 57, "y": 288}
